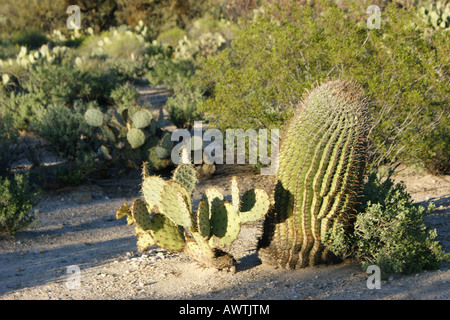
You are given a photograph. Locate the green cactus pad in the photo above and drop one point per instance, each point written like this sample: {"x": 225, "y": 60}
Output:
{"x": 144, "y": 239}
{"x": 123, "y": 211}
{"x": 225, "y": 223}
{"x": 170, "y": 205}
{"x": 105, "y": 152}
{"x": 167, "y": 234}
{"x": 141, "y": 215}
{"x": 186, "y": 175}
{"x": 142, "y": 118}
{"x": 155, "y": 162}
{"x": 235, "y": 194}
{"x": 212, "y": 196}
{"x": 153, "y": 127}
{"x": 116, "y": 118}
{"x": 151, "y": 189}
{"x": 255, "y": 204}
{"x": 162, "y": 153}
{"x": 203, "y": 225}
{"x": 108, "y": 134}
{"x": 136, "y": 138}
{"x": 166, "y": 141}
{"x": 94, "y": 117}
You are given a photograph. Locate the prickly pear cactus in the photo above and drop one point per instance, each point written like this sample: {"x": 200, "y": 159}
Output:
{"x": 133, "y": 136}
{"x": 321, "y": 168}
{"x": 437, "y": 14}
{"x": 168, "y": 219}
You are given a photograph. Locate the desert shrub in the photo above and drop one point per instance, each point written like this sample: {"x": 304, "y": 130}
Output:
{"x": 63, "y": 84}
{"x": 390, "y": 231}
{"x": 17, "y": 198}
{"x": 66, "y": 129}
{"x": 30, "y": 38}
{"x": 183, "y": 105}
{"x": 171, "y": 37}
{"x": 125, "y": 96}
{"x": 281, "y": 53}
{"x": 72, "y": 138}
{"x": 56, "y": 84}
{"x": 8, "y": 135}
{"x": 8, "y": 49}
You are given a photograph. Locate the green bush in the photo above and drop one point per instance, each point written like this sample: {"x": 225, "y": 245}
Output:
{"x": 8, "y": 135}
{"x": 66, "y": 129}
{"x": 390, "y": 231}
{"x": 183, "y": 106}
{"x": 125, "y": 96}
{"x": 59, "y": 83}
{"x": 32, "y": 39}
{"x": 63, "y": 84}
{"x": 17, "y": 198}
{"x": 282, "y": 53}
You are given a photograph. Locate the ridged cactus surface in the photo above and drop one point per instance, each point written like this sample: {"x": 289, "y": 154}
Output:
{"x": 321, "y": 168}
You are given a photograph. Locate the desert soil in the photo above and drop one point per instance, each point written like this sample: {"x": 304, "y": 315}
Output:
{"x": 76, "y": 229}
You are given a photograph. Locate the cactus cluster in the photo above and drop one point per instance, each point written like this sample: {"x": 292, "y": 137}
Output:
{"x": 135, "y": 130}
{"x": 437, "y": 14}
{"x": 167, "y": 217}
{"x": 320, "y": 177}
{"x": 28, "y": 59}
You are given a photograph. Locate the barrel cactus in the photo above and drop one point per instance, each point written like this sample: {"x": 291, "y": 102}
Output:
{"x": 167, "y": 217}
{"x": 320, "y": 177}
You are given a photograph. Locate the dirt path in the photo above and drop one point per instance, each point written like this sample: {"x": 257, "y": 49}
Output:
{"x": 34, "y": 265}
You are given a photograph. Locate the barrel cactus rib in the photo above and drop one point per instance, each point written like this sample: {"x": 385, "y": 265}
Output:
{"x": 321, "y": 167}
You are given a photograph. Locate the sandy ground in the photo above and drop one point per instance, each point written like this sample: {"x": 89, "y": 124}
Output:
{"x": 38, "y": 263}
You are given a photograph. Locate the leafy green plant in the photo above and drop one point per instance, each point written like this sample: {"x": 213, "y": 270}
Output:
{"x": 125, "y": 96}
{"x": 390, "y": 231}
{"x": 284, "y": 51}
{"x": 17, "y": 198}
{"x": 183, "y": 105}
{"x": 32, "y": 38}
{"x": 8, "y": 135}
{"x": 65, "y": 129}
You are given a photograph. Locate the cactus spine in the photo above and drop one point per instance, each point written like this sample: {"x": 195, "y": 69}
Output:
{"x": 321, "y": 168}
{"x": 167, "y": 218}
